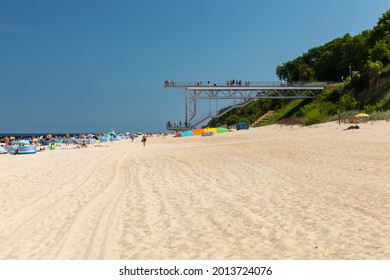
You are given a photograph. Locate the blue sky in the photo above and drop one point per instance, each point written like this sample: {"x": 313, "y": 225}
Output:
{"x": 81, "y": 65}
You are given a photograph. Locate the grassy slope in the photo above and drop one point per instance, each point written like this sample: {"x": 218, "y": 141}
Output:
{"x": 377, "y": 93}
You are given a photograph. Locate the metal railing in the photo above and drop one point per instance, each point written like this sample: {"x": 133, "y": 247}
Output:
{"x": 240, "y": 83}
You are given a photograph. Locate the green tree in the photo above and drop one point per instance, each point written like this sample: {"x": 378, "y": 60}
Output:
{"x": 232, "y": 119}
{"x": 347, "y": 102}
{"x": 369, "y": 109}
{"x": 381, "y": 52}
{"x": 355, "y": 52}
{"x": 308, "y": 75}
{"x": 373, "y": 68}
{"x": 381, "y": 30}
{"x": 313, "y": 117}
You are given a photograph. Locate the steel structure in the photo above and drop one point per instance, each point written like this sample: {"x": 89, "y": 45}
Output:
{"x": 240, "y": 94}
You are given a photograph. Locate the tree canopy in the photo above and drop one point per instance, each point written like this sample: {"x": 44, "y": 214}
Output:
{"x": 336, "y": 60}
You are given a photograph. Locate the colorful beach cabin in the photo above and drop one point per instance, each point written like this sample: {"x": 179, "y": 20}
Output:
{"x": 242, "y": 125}
{"x": 209, "y": 131}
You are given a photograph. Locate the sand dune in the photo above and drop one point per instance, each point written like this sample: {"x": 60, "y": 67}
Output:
{"x": 276, "y": 192}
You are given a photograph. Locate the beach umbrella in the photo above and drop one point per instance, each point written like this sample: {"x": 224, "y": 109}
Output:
{"x": 361, "y": 115}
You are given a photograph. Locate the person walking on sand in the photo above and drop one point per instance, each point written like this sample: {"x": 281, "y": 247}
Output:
{"x": 67, "y": 139}
{"x": 144, "y": 139}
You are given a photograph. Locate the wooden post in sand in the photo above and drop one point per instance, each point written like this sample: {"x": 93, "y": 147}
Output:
{"x": 338, "y": 112}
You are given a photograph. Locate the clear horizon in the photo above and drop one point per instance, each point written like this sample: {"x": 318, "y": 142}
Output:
{"x": 94, "y": 65}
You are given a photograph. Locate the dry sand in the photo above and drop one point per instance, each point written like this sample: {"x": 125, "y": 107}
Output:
{"x": 277, "y": 192}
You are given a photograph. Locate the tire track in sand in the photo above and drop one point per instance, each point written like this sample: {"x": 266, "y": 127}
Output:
{"x": 94, "y": 228}
{"x": 37, "y": 217}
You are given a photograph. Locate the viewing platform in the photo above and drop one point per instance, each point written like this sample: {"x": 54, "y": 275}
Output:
{"x": 242, "y": 85}
{"x": 240, "y": 92}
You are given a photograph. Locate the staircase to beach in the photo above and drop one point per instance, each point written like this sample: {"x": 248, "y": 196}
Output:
{"x": 266, "y": 117}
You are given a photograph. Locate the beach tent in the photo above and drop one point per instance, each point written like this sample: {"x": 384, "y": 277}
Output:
{"x": 242, "y": 125}
{"x": 3, "y": 151}
{"x": 21, "y": 150}
{"x": 113, "y": 136}
{"x": 86, "y": 141}
{"x": 104, "y": 139}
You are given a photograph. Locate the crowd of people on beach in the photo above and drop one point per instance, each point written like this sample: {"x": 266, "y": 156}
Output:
{"x": 51, "y": 142}
{"x": 46, "y": 140}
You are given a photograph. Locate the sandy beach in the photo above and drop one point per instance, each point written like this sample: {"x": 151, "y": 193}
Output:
{"x": 275, "y": 192}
